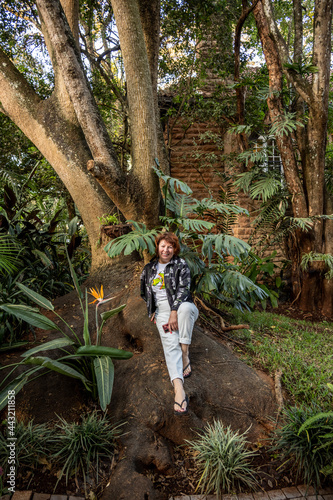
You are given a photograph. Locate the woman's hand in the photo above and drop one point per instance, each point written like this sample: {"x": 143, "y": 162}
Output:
{"x": 153, "y": 318}
{"x": 173, "y": 322}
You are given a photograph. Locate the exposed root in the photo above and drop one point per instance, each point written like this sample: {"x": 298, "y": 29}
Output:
{"x": 278, "y": 392}
{"x": 220, "y": 333}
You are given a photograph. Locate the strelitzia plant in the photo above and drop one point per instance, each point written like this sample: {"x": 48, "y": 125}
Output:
{"x": 91, "y": 364}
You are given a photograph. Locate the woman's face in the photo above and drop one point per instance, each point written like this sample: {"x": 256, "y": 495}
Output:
{"x": 165, "y": 252}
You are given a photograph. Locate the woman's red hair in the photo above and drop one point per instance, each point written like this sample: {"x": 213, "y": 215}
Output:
{"x": 170, "y": 238}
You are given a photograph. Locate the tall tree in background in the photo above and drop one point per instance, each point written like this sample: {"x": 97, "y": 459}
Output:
{"x": 304, "y": 165}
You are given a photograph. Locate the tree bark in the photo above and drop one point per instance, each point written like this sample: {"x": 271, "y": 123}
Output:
{"x": 150, "y": 19}
{"x": 68, "y": 128}
{"x": 141, "y": 106}
{"x": 308, "y": 194}
{"x": 275, "y": 106}
{"x": 61, "y": 143}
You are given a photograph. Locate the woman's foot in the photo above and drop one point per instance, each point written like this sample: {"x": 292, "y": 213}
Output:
{"x": 181, "y": 400}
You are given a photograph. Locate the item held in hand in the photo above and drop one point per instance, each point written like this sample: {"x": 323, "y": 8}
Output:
{"x": 166, "y": 327}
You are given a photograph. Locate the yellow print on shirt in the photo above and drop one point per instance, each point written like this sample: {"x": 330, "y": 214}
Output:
{"x": 158, "y": 280}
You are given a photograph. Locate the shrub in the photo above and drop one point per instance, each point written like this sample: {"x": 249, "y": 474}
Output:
{"x": 78, "y": 446}
{"x": 223, "y": 459}
{"x": 31, "y": 444}
{"x": 306, "y": 442}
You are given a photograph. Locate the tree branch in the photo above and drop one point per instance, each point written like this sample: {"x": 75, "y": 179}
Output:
{"x": 240, "y": 90}
{"x": 67, "y": 59}
{"x": 301, "y": 85}
{"x": 298, "y": 31}
{"x": 18, "y": 98}
{"x": 322, "y": 27}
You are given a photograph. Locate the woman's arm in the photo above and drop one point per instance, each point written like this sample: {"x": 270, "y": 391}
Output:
{"x": 183, "y": 288}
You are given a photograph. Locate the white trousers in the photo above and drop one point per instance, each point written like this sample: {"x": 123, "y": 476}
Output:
{"x": 187, "y": 315}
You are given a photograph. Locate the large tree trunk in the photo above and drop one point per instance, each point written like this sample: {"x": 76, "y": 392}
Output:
{"x": 61, "y": 142}
{"x": 307, "y": 193}
{"x": 68, "y": 128}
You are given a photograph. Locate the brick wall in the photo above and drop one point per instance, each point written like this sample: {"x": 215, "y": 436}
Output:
{"x": 196, "y": 160}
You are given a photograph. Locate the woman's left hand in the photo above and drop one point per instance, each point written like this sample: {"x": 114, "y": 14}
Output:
{"x": 173, "y": 322}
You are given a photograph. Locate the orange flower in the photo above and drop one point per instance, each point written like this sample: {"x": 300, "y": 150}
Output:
{"x": 99, "y": 295}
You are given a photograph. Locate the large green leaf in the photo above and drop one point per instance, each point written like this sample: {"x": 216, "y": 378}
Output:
{"x": 92, "y": 350}
{"x": 108, "y": 314}
{"x": 29, "y": 315}
{"x": 196, "y": 225}
{"x": 173, "y": 184}
{"x": 56, "y": 366}
{"x": 139, "y": 239}
{"x": 16, "y": 385}
{"x": 181, "y": 205}
{"x": 224, "y": 244}
{"x": 104, "y": 372}
{"x": 223, "y": 208}
{"x": 36, "y": 297}
{"x": 53, "y": 344}
{"x": 43, "y": 257}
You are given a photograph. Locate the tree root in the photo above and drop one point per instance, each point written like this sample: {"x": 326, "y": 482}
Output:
{"x": 214, "y": 312}
{"x": 278, "y": 393}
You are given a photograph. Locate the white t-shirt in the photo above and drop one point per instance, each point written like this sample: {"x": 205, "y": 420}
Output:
{"x": 158, "y": 285}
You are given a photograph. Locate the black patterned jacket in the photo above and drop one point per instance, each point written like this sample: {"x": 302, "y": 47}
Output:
{"x": 177, "y": 280}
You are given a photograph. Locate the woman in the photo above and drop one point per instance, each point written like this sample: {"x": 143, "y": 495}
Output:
{"x": 165, "y": 286}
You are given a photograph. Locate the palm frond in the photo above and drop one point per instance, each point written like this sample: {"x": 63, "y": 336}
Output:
{"x": 8, "y": 254}
{"x": 172, "y": 183}
{"x": 266, "y": 187}
{"x": 139, "y": 239}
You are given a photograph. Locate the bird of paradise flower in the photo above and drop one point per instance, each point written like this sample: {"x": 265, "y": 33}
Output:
{"x": 99, "y": 298}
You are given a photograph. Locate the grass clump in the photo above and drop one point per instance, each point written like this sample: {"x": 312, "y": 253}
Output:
{"x": 301, "y": 349}
{"x": 306, "y": 441}
{"x": 31, "y": 444}
{"x": 223, "y": 460}
{"x": 78, "y": 446}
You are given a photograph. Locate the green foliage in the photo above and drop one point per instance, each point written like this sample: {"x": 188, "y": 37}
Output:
{"x": 76, "y": 447}
{"x": 306, "y": 442}
{"x": 302, "y": 68}
{"x": 8, "y": 254}
{"x": 140, "y": 239}
{"x": 262, "y": 271}
{"x": 31, "y": 444}
{"x": 92, "y": 365}
{"x": 301, "y": 350}
{"x": 108, "y": 219}
{"x": 32, "y": 251}
{"x": 199, "y": 241}
{"x": 260, "y": 184}
{"x": 223, "y": 460}
{"x": 285, "y": 124}
{"x": 325, "y": 258}
{"x": 79, "y": 446}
